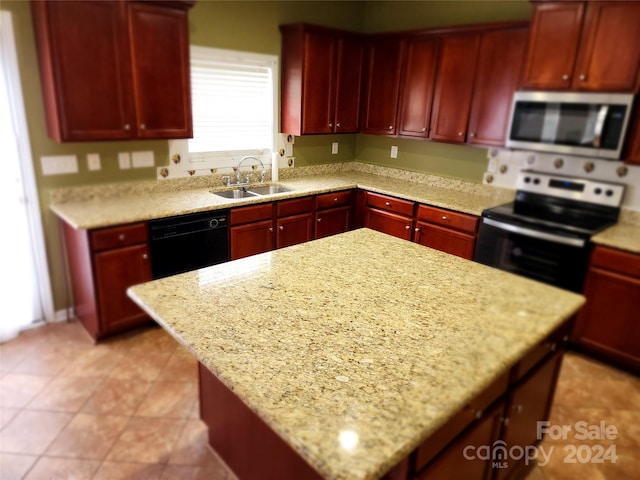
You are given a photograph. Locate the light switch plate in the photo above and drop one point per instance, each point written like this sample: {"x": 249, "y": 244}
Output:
{"x": 59, "y": 164}
{"x": 93, "y": 161}
{"x": 334, "y": 148}
{"x": 124, "y": 160}
{"x": 394, "y": 151}
{"x": 142, "y": 159}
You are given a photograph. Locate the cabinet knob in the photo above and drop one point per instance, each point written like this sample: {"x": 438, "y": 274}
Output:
{"x": 271, "y": 229}
{"x": 335, "y": 199}
{"x": 565, "y": 77}
{"x": 390, "y": 127}
{"x": 281, "y": 227}
{"x": 331, "y": 125}
{"x": 582, "y": 77}
{"x": 444, "y": 218}
{"x": 416, "y": 229}
{"x": 387, "y": 204}
{"x": 460, "y": 134}
{"x": 319, "y": 220}
{"x": 142, "y": 126}
{"x": 424, "y": 129}
{"x": 127, "y": 127}
{"x": 518, "y": 408}
{"x": 121, "y": 237}
{"x": 472, "y": 135}
{"x": 145, "y": 256}
{"x": 338, "y": 125}
{"x": 408, "y": 227}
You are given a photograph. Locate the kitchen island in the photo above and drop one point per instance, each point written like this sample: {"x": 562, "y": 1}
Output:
{"x": 354, "y": 349}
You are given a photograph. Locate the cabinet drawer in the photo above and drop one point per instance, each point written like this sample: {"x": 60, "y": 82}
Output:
{"x": 447, "y": 218}
{"x": 294, "y": 206}
{"x": 254, "y": 213}
{"x": 616, "y": 260}
{"x": 390, "y": 204}
{"x": 115, "y": 237}
{"x": 333, "y": 199}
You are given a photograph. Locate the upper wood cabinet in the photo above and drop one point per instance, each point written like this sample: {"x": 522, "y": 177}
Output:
{"x": 321, "y": 77}
{"x": 417, "y": 87}
{"x": 383, "y": 61}
{"x": 498, "y": 68}
{"x": 114, "y": 70}
{"x": 593, "y": 46}
{"x": 454, "y": 87}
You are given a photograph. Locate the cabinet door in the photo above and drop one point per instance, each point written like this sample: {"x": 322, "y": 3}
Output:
{"x": 497, "y": 75}
{"x": 529, "y": 403}
{"x": 332, "y": 221}
{"x": 553, "y": 44}
{"x": 348, "y": 81}
{"x": 417, "y": 88}
{"x": 319, "y": 83}
{"x": 251, "y": 239}
{"x": 85, "y": 69}
{"x": 294, "y": 229}
{"x": 396, "y": 225}
{"x": 115, "y": 271}
{"x": 609, "y": 324}
{"x": 609, "y": 53}
{"x": 445, "y": 240}
{"x": 454, "y": 87}
{"x": 382, "y": 80}
{"x": 160, "y": 55}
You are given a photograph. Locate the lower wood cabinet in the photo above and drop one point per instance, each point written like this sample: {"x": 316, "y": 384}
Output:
{"x": 389, "y": 215}
{"x": 447, "y": 231}
{"x": 294, "y": 221}
{"x": 609, "y": 325}
{"x": 103, "y": 263}
{"x": 251, "y": 230}
{"x": 334, "y": 213}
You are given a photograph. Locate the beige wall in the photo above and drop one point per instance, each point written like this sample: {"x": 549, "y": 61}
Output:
{"x": 253, "y": 26}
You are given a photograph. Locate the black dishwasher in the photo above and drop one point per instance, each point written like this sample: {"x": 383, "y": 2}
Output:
{"x": 187, "y": 242}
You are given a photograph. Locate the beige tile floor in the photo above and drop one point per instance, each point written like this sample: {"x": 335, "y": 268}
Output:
{"x": 127, "y": 409}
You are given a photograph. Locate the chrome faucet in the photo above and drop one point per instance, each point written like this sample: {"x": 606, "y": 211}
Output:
{"x": 239, "y": 181}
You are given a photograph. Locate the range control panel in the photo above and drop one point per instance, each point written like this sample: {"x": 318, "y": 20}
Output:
{"x": 580, "y": 189}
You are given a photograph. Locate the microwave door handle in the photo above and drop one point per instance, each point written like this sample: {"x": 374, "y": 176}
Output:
{"x": 597, "y": 132}
{"x": 528, "y": 232}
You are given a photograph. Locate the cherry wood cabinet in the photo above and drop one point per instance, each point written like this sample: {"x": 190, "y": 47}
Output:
{"x": 334, "y": 212}
{"x": 114, "y": 70}
{"x": 632, "y": 151}
{"x": 500, "y": 58}
{"x": 389, "y": 215}
{"x": 294, "y": 221}
{"x": 381, "y": 85}
{"x": 103, "y": 263}
{"x": 454, "y": 87}
{"x": 321, "y": 78}
{"x": 416, "y": 95}
{"x": 251, "y": 230}
{"x": 593, "y": 46}
{"x": 447, "y": 231}
{"x": 608, "y": 325}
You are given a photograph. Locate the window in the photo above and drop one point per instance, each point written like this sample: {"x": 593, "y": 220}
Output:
{"x": 234, "y": 101}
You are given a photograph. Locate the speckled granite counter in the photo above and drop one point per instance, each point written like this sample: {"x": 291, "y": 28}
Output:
{"x": 102, "y": 206}
{"x": 624, "y": 236}
{"x": 387, "y": 343}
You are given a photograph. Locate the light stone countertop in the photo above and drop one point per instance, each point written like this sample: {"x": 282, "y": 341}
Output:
{"x": 623, "y": 236}
{"x": 102, "y": 207}
{"x": 358, "y": 332}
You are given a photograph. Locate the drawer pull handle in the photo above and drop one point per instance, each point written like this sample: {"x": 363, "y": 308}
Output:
{"x": 444, "y": 218}
{"x": 565, "y": 77}
{"x": 408, "y": 227}
{"x": 145, "y": 256}
{"x": 335, "y": 199}
{"x": 121, "y": 237}
{"x": 387, "y": 204}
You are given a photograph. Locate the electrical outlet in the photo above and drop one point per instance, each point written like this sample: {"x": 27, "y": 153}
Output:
{"x": 394, "y": 151}
{"x": 142, "y": 159}
{"x": 124, "y": 160}
{"x": 334, "y": 148}
{"x": 93, "y": 161}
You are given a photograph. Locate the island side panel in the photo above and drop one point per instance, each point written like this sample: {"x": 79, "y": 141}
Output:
{"x": 248, "y": 445}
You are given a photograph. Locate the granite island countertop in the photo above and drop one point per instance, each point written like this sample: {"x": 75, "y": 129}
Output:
{"x": 359, "y": 332}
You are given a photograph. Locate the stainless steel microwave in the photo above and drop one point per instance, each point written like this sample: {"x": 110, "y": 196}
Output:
{"x": 584, "y": 124}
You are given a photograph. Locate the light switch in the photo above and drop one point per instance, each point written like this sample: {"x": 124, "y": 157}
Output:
{"x": 93, "y": 161}
{"x": 334, "y": 148}
{"x": 124, "y": 160}
{"x": 394, "y": 151}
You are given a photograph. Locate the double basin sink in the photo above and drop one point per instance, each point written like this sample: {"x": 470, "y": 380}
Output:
{"x": 242, "y": 192}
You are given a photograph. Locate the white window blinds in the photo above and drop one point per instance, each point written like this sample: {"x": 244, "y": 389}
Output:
{"x": 234, "y": 98}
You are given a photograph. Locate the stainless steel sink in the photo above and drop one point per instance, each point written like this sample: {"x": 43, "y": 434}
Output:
{"x": 269, "y": 189}
{"x": 252, "y": 192}
{"x": 236, "y": 193}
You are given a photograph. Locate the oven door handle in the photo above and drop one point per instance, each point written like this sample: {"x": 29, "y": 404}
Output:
{"x": 574, "y": 242}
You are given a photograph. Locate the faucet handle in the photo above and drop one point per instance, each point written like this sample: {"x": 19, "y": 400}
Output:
{"x": 263, "y": 174}
{"x": 226, "y": 180}
{"x": 248, "y": 177}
